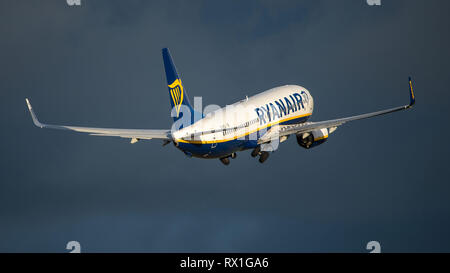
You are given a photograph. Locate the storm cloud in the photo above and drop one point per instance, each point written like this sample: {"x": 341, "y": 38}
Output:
{"x": 99, "y": 64}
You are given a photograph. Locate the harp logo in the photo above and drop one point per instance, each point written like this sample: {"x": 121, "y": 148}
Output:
{"x": 176, "y": 92}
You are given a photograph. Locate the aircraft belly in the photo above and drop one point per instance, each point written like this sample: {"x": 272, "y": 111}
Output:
{"x": 216, "y": 150}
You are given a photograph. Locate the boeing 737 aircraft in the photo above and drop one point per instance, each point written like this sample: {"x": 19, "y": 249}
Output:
{"x": 257, "y": 123}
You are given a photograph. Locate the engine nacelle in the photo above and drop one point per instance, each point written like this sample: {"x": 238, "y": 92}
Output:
{"x": 312, "y": 139}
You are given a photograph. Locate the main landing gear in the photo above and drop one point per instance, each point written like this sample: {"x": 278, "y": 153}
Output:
{"x": 263, "y": 155}
{"x": 226, "y": 160}
{"x": 256, "y": 151}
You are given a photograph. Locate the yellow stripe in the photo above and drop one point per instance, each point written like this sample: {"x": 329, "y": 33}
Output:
{"x": 412, "y": 92}
{"x": 320, "y": 138}
{"x": 175, "y": 93}
{"x": 173, "y": 99}
{"x": 181, "y": 97}
{"x": 243, "y": 135}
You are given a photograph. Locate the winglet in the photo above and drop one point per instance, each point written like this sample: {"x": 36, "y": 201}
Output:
{"x": 412, "y": 99}
{"x": 33, "y": 115}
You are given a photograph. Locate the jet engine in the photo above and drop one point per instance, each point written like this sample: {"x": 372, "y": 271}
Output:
{"x": 312, "y": 139}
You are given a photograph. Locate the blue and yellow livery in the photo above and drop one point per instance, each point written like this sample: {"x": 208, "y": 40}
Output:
{"x": 177, "y": 93}
{"x": 258, "y": 123}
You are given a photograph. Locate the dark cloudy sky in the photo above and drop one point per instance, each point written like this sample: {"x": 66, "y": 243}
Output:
{"x": 384, "y": 179}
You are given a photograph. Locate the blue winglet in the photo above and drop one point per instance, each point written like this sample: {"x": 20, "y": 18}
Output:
{"x": 412, "y": 99}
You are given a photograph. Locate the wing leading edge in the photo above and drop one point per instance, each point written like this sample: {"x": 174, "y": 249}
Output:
{"x": 311, "y": 126}
{"x": 134, "y": 134}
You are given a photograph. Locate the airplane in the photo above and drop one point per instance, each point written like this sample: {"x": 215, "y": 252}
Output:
{"x": 258, "y": 123}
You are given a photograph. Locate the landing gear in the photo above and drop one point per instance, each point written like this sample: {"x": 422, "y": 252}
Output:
{"x": 263, "y": 157}
{"x": 256, "y": 151}
{"x": 225, "y": 161}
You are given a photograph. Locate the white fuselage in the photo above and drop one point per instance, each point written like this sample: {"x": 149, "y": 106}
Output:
{"x": 246, "y": 121}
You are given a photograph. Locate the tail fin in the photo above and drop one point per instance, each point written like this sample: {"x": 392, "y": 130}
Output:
{"x": 177, "y": 93}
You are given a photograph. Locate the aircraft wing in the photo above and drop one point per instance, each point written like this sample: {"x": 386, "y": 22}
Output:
{"x": 307, "y": 127}
{"x": 134, "y": 134}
